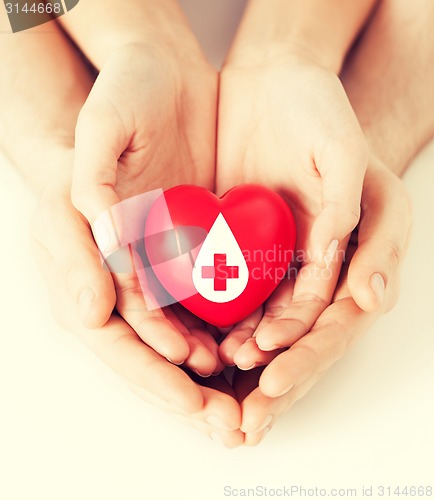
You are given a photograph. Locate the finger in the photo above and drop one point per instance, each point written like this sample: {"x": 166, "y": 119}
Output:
{"x": 382, "y": 240}
{"x": 332, "y": 335}
{"x": 229, "y": 439}
{"x": 291, "y": 314}
{"x": 241, "y": 332}
{"x": 220, "y": 410}
{"x": 118, "y": 345}
{"x": 232, "y": 439}
{"x": 215, "y": 429}
{"x": 100, "y": 139}
{"x": 210, "y": 363}
{"x": 260, "y": 412}
{"x": 121, "y": 349}
{"x": 290, "y": 376}
{"x": 66, "y": 237}
{"x": 203, "y": 358}
{"x": 152, "y": 326}
{"x": 254, "y": 438}
{"x": 250, "y": 356}
{"x": 342, "y": 166}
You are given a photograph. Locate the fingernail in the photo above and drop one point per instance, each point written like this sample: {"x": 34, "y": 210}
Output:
{"x": 203, "y": 375}
{"x": 105, "y": 234}
{"x": 266, "y": 431}
{"x": 215, "y": 421}
{"x": 287, "y": 389}
{"x": 378, "y": 287}
{"x": 264, "y": 424}
{"x": 330, "y": 253}
{"x": 85, "y": 303}
{"x": 267, "y": 348}
{"x": 248, "y": 368}
{"x": 173, "y": 362}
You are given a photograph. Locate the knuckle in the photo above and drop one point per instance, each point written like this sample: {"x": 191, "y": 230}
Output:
{"x": 273, "y": 311}
{"x": 129, "y": 285}
{"x": 313, "y": 358}
{"x": 347, "y": 214}
{"x": 342, "y": 338}
{"x": 302, "y": 299}
{"x": 392, "y": 254}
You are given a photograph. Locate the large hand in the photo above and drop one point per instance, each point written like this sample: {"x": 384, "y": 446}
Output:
{"x": 289, "y": 125}
{"x": 67, "y": 255}
{"x": 149, "y": 122}
{"x": 382, "y": 239}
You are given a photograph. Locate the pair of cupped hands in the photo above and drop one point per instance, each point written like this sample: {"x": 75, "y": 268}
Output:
{"x": 156, "y": 118}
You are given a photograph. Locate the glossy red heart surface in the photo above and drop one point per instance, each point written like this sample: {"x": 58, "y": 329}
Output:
{"x": 221, "y": 258}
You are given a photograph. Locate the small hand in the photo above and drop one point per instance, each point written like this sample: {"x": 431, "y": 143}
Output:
{"x": 288, "y": 124}
{"x": 382, "y": 240}
{"x": 149, "y": 122}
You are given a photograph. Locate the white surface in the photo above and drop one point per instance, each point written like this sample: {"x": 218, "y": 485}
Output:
{"x": 69, "y": 429}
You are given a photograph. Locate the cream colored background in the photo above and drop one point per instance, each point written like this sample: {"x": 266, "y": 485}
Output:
{"x": 69, "y": 429}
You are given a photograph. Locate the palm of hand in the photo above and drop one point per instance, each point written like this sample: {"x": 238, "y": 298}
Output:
{"x": 287, "y": 126}
{"x": 161, "y": 142}
{"x": 161, "y": 137}
{"x": 165, "y": 135}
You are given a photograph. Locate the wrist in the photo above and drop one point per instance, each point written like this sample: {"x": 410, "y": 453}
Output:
{"x": 141, "y": 55}
{"x": 320, "y": 30}
{"x": 271, "y": 51}
{"x": 128, "y": 23}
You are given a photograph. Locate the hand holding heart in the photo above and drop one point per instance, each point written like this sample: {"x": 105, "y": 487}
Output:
{"x": 283, "y": 122}
{"x": 321, "y": 179}
{"x": 313, "y": 156}
{"x": 251, "y": 227}
{"x": 301, "y": 138}
{"x": 218, "y": 410}
{"x": 135, "y": 134}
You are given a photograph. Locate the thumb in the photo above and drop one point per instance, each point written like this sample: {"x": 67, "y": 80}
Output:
{"x": 382, "y": 240}
{"x": 100, "y": 139}
{"x": 66, "y": 237}
{"x": 342, "y": 168}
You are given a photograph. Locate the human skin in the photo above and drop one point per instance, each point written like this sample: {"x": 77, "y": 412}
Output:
{"x": 285, "y": 121}
{"x": 324, "y": 188}
{"x": 290, "y": 77}
{"x": 285, "y": 58}
{"x": 392, "y": 92}
{"x": 342, "y": 312}
{"x": 43, "y": 152}
{"x": 148, "y": 122}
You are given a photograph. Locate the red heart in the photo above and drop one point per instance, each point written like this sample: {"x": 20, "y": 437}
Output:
{"x": 218, "y": 276}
